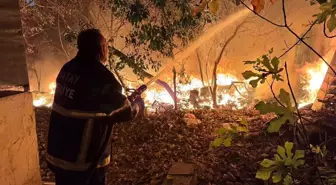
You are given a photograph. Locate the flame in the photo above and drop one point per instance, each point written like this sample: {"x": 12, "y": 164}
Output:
{"x": 40, "y": 101}
{"x": 52, "y": 88}
{"x": 225, "y": 79}
{"x": 225, "y": 97}
{"x": 314, "y": 78}
{"x": 152, "y": 95}
{"x": 45, "y": 99}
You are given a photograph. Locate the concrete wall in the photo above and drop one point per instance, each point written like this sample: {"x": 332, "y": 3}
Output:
{"x": 13, "y": 68}
{"x": 18, "y": 141}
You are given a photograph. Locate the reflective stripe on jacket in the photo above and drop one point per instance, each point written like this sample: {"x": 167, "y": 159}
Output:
{"x": 86, "y": 93}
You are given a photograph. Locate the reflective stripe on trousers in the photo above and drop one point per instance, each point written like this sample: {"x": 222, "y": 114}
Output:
{"x": 75, "y": 166}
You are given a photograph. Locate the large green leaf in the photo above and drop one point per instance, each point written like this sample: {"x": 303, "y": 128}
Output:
{"x": 331, "y": 24}
{"x": 275, "y": 62}
{"x": 282, "y": 152}
{"x": 266, "y": 63}
{"x": 289, "y": 146}
{"x": 277, "y": 158}
{"x": 227, "y": 141}
{"x": 276, "y": 124}
{"x": 298, "y": 163}
{"x": 283, "y": 113}
{"x": 289, "y": 162}
{"x": 249, "y": 74}
{"x": 277, "y": 176}
{"x": 321, "y": 17}
{"x": 285, "y": 98}
{"x": 217, "y": 142}
{"x": 287, "y": 180}
{"x": 222, "y": 131}
{"x": 254, "y": 83}
{"x": 242, "y": 129}
{"x": 266, "y": 108}
{"x": 264, "y": 173}
{"x": 283, "y": 165}
{"x": 267, "y": 163}
{"x": 299, "y": 154}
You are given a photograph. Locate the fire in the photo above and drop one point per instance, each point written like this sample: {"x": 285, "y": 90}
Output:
{"x": 225, "y": 97}
{"x": 225, "y": 79}
{"x": 45, "y": 99}
{"x": 40, "y": 101}
{"x": 226, "y": 93}
{"x": 314, "y": 78}
{"x": 52, "y": 88}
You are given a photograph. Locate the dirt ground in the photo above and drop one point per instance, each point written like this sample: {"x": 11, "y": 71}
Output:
{"x": 143, "y": 151}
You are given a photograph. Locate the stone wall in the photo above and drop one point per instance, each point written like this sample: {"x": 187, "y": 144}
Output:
{"x": 18, "y": 141}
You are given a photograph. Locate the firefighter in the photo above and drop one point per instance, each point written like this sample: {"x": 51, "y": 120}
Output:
{"x": 88, "y": 99}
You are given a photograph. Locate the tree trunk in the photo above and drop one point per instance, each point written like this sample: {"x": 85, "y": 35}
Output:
{"x": 175, "y": 97}
{"x": 200, "y": 66}
{"x": 217, "y": 62}
{"x": 214, "y": 87}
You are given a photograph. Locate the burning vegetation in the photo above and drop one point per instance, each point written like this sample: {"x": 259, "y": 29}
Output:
{"x": 195, "y": 94}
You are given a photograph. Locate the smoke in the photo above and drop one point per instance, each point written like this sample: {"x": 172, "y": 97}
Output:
{"x": 44, "y": 70}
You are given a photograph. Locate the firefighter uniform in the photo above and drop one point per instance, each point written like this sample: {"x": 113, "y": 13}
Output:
{"x": 86, "y": 94}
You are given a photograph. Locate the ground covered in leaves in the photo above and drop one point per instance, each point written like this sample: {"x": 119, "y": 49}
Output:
{"x": 143, "y": 151}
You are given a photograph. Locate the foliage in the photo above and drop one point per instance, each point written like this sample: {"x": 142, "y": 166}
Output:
{"x": 281, "y": 167}
{"x": 258, "y": 5}
{"x": 285, "y": 113}
{"x": 264, "y": 67}
{"x": 327, "y": 14}
{"x": 155, "y": 26}
{"x": 320, "y": 151}
{"x": 229, "y": 132}
{"x": 211, "y": 5}
{"x": 328, "y": 175}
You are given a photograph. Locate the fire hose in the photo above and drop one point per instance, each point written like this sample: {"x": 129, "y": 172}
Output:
{"x": 132, "y": 98}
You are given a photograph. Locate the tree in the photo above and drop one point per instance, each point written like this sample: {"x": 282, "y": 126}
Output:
{"x": 155, "y": 26}
{"x": 216, "y": 61}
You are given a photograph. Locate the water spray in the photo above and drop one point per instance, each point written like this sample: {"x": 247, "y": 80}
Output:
{"x": 210, "y": 33}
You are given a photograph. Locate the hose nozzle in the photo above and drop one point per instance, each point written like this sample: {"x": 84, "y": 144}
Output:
{"x": 137, "y": 93}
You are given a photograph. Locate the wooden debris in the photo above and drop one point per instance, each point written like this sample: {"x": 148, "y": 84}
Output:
{"x": 181, "y": 174}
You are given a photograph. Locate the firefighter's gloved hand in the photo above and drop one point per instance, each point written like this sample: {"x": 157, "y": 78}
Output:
{"x": 139, "y": 105}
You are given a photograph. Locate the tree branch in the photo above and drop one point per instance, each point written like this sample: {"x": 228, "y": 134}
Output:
{"x": 291, "y": 31}
{"x": 273, "y": 93}
{"x": 301, "y": 122}
{"x": 264, "y": 18}
{"x": 304, "y": 42}
{"x": 298, "y": 41}
{"x": 59, "y": 33}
